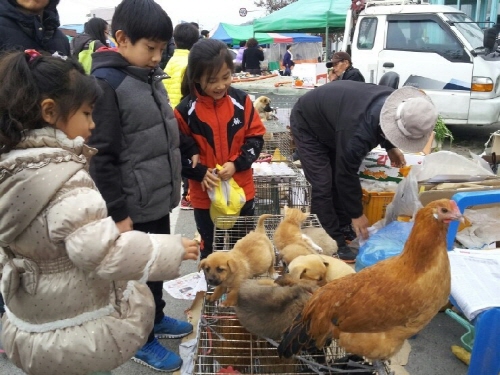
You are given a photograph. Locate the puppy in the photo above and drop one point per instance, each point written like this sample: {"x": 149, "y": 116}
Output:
{"x": 318, "y": 268}
{"x": 322, "y": 239}
{"x": 263, "y": 106}
{"x": 251, "y": 256}
{"x": 266, "y": 309}
{"x": 289, "y": 239}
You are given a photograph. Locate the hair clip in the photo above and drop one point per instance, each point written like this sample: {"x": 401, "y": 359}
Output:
{"x": 32, "y": 53}
{"x": 56, "y": 54}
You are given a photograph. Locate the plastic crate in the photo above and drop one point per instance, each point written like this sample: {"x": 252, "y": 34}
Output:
{"x": 375, "y": 204}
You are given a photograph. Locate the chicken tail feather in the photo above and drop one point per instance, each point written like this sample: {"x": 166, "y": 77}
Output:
{"x": 296, "y": 339}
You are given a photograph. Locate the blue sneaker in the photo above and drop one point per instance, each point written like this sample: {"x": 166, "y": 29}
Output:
{"x": 170, "y": 328}
{"x": 157, "y": 357}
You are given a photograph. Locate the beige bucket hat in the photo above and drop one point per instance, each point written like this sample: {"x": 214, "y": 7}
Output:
{"x": 408, "y": 118}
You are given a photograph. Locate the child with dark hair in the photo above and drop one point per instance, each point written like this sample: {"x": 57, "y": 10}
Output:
{"x": 227, "y": 130}
{"x": 138, "y": 167}
{"x": 94, "y": 30}
{"x": 77, "y": 309}
{"x": 252, "y": 56}
{"x": 185, "y": 36}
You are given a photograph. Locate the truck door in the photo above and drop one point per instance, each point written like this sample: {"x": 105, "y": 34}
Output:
{"x": 427, "y": 55}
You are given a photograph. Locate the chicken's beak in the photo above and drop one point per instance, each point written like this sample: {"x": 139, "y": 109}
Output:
{"x": 457, "y": 216}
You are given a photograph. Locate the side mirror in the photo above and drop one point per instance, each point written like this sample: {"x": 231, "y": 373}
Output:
{"x": 490, "y": 37}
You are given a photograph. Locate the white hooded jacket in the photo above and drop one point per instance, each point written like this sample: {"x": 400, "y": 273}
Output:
{"x": 74, "y": 287}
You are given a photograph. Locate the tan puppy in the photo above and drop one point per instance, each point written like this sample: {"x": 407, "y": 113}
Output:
{"x": 289, "y": 239}
{"x": 319, "y": 268}
{"x": 322, "y": 239}
{"x": 251, "y": 256}
{"x": 263, "y": 106}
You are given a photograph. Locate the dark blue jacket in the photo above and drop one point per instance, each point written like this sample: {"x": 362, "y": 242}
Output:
{"x": 20, "y": 31}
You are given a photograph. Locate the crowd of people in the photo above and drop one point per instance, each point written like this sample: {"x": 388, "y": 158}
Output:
{"x": 91, "y": 165}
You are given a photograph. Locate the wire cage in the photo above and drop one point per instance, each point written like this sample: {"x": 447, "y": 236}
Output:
{"x": 278, "y": 141}
{"x": 225, "y": 346}
{"x": 273, "y": 193}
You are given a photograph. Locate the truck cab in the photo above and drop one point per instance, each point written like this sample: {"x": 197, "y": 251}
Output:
{"x": 435, "y": 48}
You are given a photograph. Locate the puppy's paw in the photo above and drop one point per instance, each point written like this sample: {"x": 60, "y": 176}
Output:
{"x": 311, "y": 243}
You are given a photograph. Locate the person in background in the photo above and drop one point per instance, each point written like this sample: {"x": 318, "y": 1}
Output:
{"x": 31, "y": 25}
{"x": 185, "y": 35}
{"x": 252, "y": 56}
{"x": 226, "y": 129}
{"x": 239, "y": 56}
{"x": 86, "y": 307}
{"x": 340, "y": 68}
{"x": 96, "y": 30}
{"x": 335, "y": 126}
{"x": 138, "y": 167}
{"x": 288, "y": 61}
{"x": 205, "y": 34}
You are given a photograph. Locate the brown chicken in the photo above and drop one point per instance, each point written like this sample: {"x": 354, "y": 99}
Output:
{"x": 373, "y": 311}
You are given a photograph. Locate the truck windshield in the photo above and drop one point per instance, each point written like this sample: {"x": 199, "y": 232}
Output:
{"x": 468, "y": 28}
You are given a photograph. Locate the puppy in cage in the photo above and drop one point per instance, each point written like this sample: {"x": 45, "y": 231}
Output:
{"x": 263, "y": 106}
{"x": 266, "y": 307}
{"x": 318, "y": 268}
{"x": 289, "y": 239}
{"x": 251, "y": 256}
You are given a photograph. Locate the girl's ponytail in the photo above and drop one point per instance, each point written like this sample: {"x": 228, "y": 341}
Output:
{"x": 19, "y": 98}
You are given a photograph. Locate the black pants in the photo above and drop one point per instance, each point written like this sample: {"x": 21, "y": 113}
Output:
{"x": 205, "y": 227}
{"x": 160, "y": 226}
{"x": 318, "y": 162}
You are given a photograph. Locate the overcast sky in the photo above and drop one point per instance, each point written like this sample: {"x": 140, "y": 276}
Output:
{"x": 207, "y": 13}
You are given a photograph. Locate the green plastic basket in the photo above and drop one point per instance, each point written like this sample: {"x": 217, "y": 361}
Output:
{"x": 467, "y": 338}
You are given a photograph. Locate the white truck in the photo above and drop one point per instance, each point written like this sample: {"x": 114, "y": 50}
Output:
{"x": 436, "y": 48}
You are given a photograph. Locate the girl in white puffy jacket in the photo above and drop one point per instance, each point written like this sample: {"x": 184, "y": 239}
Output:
{"x": 74, "y": 287}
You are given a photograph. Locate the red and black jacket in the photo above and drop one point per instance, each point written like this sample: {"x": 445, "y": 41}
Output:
{"x": 225, "y": 130}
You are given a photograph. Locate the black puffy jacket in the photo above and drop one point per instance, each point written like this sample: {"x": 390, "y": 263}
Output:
{"x": 20, "y": 31}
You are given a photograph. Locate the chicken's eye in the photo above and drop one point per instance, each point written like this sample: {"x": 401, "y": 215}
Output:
{"x": 445, "y": 210}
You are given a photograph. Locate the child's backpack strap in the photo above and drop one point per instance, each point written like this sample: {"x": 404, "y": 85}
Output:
{"x": 114, "y": 77}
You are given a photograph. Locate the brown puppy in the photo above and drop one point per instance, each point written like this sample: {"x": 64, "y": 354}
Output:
{"x": 319, "y": 268}
{"x": 251, "y": 256}
{"x": 289, "y": 239}
{"x": 263, "y": 106}
{"x": 266, "y": 309}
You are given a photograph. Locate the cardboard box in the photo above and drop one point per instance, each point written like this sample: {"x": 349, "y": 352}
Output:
{"x": 429, "y": 193}
{"x": 377, "y": 166}
{"x": 310, "y": 74}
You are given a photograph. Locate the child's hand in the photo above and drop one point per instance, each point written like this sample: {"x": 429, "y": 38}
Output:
{"x": 195, "y": 159}
{"x": 191, "y": 247}
{"x": 210, "y": 180}
{"x": 125, "y": 225}
{"x": 227, "y": 171}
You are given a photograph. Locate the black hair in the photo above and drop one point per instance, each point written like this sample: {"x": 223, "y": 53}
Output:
{"x": 252, "y": 42}
{"x": 195, "y": 25}
{"x": 288, "y": 46}
{"x": 27, "y": 81}
{"x": 185, "y": 35}
{"x": 206, "y": 57}
{"x": 96, "y": 29}
{"x": 205, "y": 33}
{"x": 243, "y": 43}
{"x": 142, "y": 19}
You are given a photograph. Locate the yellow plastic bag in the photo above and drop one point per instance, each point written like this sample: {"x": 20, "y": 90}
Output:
{"x": 228, "y": 198}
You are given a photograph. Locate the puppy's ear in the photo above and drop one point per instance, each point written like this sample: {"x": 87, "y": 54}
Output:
{"x": 202, "y": 264}
{"x": 303, "y": 274}
{"x": 232, "y": 264}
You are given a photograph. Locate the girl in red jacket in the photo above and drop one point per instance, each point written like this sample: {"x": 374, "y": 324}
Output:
{"x": 227, "y": 131}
